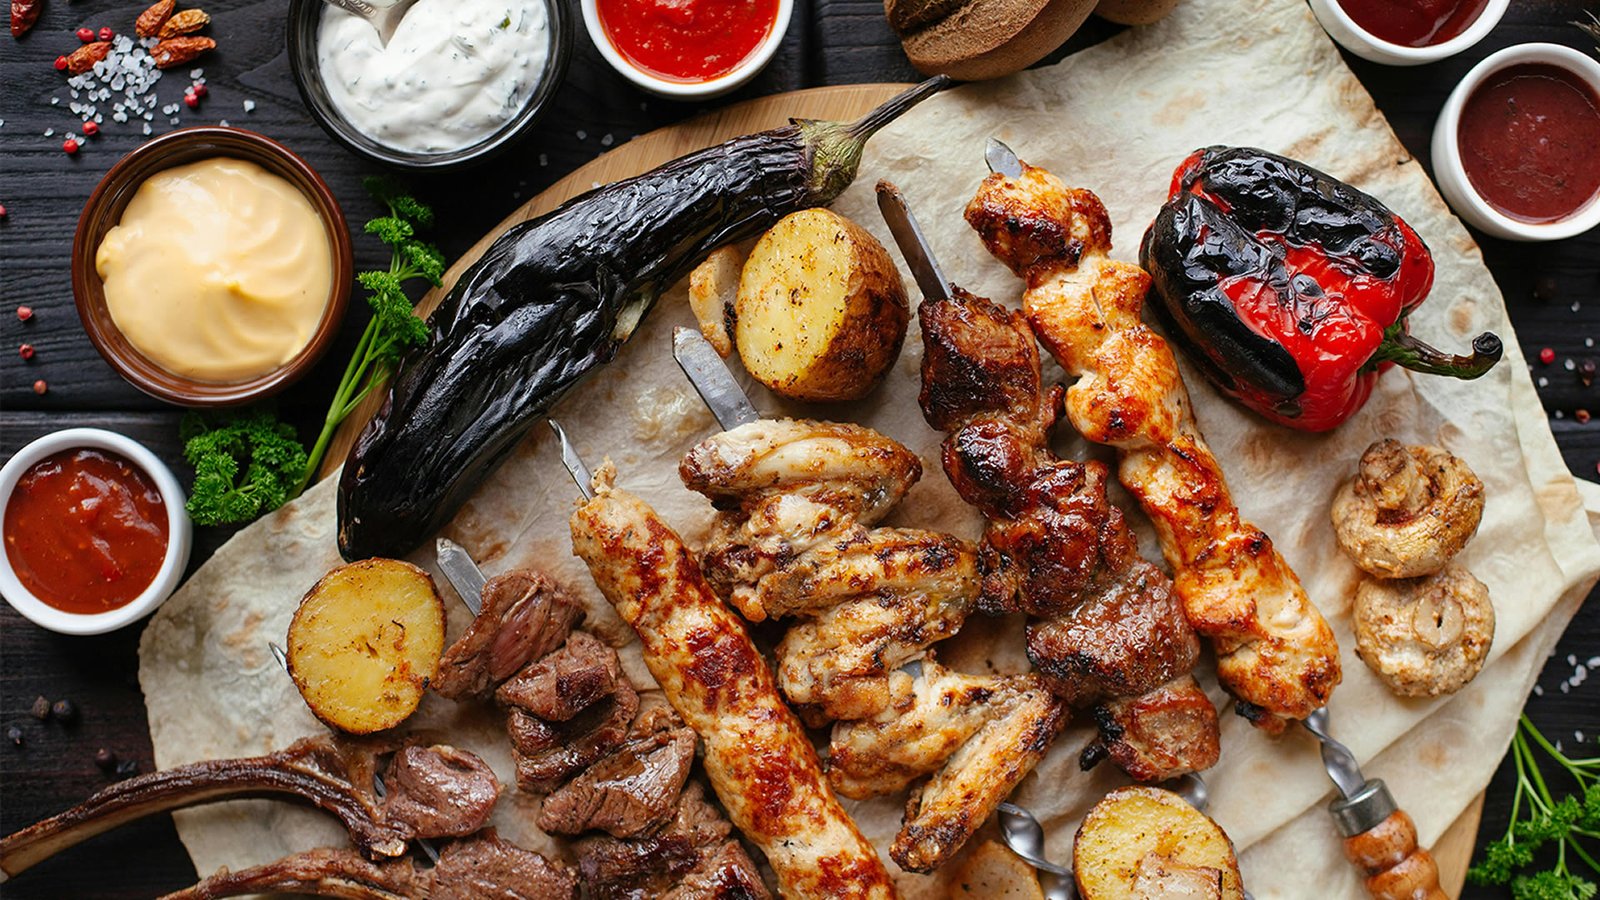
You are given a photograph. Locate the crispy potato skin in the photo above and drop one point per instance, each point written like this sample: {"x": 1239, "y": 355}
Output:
{"x": 821, "y": 311}
{"x": 365, "y": 643}
{"x": 1134, "y": 12}
{"x": 1137, "y": 839}
{"x": 992, "y": 872}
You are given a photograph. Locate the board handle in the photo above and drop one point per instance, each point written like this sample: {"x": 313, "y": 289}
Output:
{"x": 1382, "y": 840}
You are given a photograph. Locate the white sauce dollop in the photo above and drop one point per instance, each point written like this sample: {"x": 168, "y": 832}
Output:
{"x": 454, "y": 72}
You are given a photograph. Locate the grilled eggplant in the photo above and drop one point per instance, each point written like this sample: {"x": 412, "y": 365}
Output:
{"x": 555, "y": 297}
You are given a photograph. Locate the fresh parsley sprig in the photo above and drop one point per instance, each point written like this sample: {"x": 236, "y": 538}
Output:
{"x": 245, "y": 465}
{"x": 394, "y": 327}
{"x": 1539, "y": 821}
{"x": 250, "y": 463}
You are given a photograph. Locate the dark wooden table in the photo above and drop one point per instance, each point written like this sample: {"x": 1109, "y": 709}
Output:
{"x": 1553, "y": 291}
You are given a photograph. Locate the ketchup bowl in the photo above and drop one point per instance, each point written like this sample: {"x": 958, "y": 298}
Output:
{"x": 1450, "y": 163}
{"x": 103, "y": 446}
{"x": 688, "y": 86}
{"x": 1343, "y": 28}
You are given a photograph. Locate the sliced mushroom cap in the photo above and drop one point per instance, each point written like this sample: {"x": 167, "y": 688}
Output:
{"x": 1424, "y": 636}
{"x": 1408, "y": 511}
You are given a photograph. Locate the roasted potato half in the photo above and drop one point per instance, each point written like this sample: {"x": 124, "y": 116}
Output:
{"x": 821, "y": 311}
{"x": 365, "y": 643}
{"x": 1142, "y": 843}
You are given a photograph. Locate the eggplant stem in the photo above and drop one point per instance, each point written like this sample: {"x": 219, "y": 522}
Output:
{"x": 836, "y": 146}
{"x": 1404, "y": 350}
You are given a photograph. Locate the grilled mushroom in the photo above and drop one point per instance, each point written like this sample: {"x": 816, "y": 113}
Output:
{"x": 1408, "y": 511}
{"x": 1424, "y": 636}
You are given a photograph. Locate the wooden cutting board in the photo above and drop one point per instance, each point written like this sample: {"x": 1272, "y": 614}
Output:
{"x": 1453, "y": 850}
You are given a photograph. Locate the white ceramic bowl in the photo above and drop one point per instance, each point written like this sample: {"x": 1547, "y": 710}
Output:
{"x": 1364, "y": 44}
{"x": 180, "y": 533}
{"x": 689, "y": 90}
{"x": 1452, "y": 176}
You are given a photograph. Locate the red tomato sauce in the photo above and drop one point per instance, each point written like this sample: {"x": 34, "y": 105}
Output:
{"x": 86, "y": 530}
{"x": 1528, "y": 137}
{"x": 687, "y": 40}
{"x": 1414, "y": 23}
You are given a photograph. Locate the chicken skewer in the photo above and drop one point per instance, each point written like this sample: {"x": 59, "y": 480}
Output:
{"x": 1106, "y": 631}
{"x": 796, "y": 540}
{"x": 760, "y": 762}
{"x": 1275, "y": 652}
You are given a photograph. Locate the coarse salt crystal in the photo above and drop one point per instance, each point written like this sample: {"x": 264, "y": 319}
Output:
{"x": 49, "y": 132}
{"x": 544, "y": 160}
{"x": 607, "y": 140}
{"x": 1578, "y": 736}
{"x": 583, "y": 135}
{"x": 1538, "y": 691}
{"x": 223, "y": 123}
{"x": 1543, "y": 381}
{"x": 1572, "y": 659}
{"x": 249, "y": 106}
{"x": 147, "y": 128}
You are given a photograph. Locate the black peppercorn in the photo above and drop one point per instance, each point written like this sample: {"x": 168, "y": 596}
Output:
{"x": 14, "y": 735}
{"x": 65, "y": 711}
{"x": 127, "y": 769}
{"x": 105, "y": 759}
{"x": 40, "y": 709}
{"x": 1586, "y": 372}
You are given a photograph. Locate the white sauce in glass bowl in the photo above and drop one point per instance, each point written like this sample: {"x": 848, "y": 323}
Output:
{"x": 454, "y": 72}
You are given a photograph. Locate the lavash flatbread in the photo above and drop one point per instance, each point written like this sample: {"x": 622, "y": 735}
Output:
{"x": 1115, "y": 118}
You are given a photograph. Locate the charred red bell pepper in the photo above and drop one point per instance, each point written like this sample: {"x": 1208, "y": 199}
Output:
{"x": 1289, "y": 289}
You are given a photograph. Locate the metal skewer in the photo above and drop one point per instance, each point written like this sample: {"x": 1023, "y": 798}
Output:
{"x": 711, "y": 379}
{"x": 378, "y": 787}
{"x": 573, "y": 462}
{"x": 462, "y": 571}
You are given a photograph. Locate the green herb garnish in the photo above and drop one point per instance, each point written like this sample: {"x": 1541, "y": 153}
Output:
{"x": 245, "y": 464}
{"x": 1539, "y": 821}
{"x": 394, "y": 327}
{"x": 250, "y": 463}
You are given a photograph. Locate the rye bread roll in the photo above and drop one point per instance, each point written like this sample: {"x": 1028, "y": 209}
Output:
{"x": 977, "y": 39}
{"x": 1134, "y": 12}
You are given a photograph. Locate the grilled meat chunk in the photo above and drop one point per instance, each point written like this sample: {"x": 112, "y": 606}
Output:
{"x": 548, "y": 753}
{"x": 440, "y": 791}
{"x": 794, "y": 540}
{"x": 471, "y": 869}
{"x": 1275, "y": 652}
{"x": 633, "y": 790}
{"x": 696, "y": 857}
{"x": 758, "y": 757}
{"x": 565, "y": 682}
{"x": 524, "y": 616}
{"x": 978, "y": 735}
{"x": 1156, "y": 735}
{"x": 1104, "y": 624}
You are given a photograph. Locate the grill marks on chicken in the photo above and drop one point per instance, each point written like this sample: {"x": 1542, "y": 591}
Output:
{"x": 1275, "y": 652}
{"x": 470, "y": 869}
{"x": 1105, "y": 626}
{"x": 795, "y": 538}
{"x": 977, "y": 736}
{"x": 433, "y": 792}
{"x": 758, "y": 757}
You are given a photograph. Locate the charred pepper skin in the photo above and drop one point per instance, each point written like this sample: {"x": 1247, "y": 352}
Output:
{"x": 1288, "y": 288}
{"x": 556, "y": 297}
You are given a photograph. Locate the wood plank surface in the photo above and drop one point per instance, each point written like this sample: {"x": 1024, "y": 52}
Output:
{"x": 831, "y": 42}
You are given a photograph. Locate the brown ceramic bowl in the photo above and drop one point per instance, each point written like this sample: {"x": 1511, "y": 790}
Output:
{"x": 104, "y": 210}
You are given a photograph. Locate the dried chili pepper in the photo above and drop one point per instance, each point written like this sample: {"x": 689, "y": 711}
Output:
{"x": 24, "y": 13}
{"x": 1289, "y": 289}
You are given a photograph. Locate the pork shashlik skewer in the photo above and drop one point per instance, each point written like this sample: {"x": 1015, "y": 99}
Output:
{"x": 760, "y": 762}
{"x": 1106, "y": 632}
{"x": 1275, "y": 652}
{"x": 795, "y": 537}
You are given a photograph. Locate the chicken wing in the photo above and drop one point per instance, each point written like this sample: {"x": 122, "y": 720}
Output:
{"x": 760, "y": 762}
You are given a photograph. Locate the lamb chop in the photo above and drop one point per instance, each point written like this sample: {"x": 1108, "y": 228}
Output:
{"x": 432, "y": 792}
{"x": 473, "y": 868}
{"x": 1275, "y": 652}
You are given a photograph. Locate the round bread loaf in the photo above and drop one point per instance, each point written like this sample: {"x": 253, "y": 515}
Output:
{"x": 1134, "y": 12}
{"x": 977, "y": 39}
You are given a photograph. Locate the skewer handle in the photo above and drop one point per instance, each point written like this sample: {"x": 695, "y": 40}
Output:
{"x": 1396, "y": 868}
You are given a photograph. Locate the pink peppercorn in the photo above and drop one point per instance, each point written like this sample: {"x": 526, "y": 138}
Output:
{"x": 86, "y": 35}
{"x": 106, "y": 33}
{"x": 91, "y": 128}
{"x": 191, "y": 100}
{"x": 25, "y": 351}
{"x": 69, "y": 146}
{"x": 39, "y": 387}
{"x": 24, "y": 313}
{"x": 61, "y": 64}
{"x": 1547, "y": 356}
